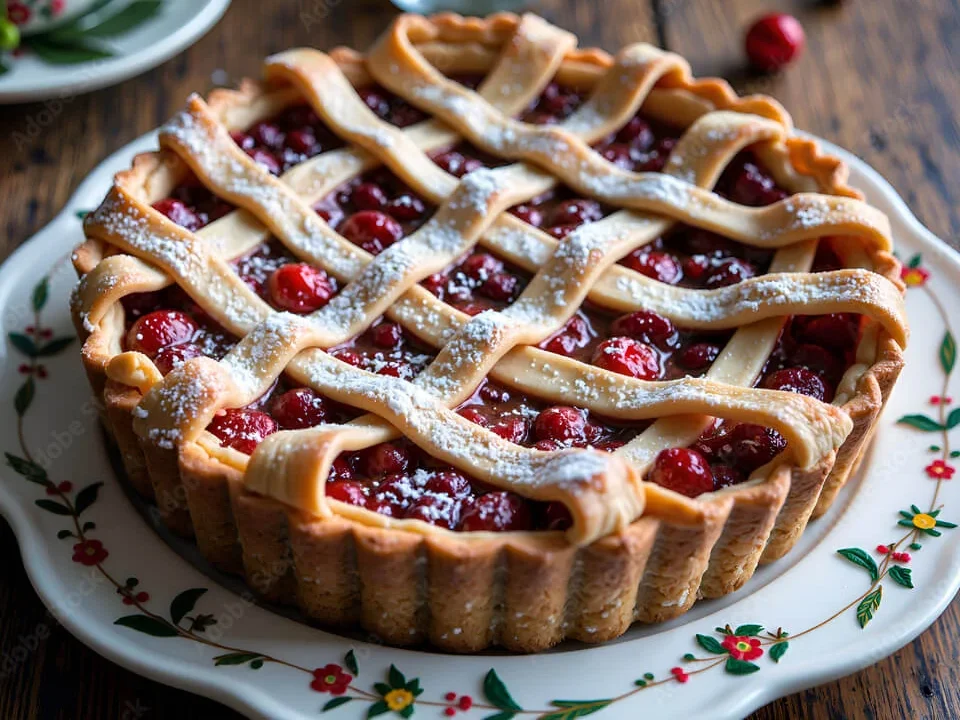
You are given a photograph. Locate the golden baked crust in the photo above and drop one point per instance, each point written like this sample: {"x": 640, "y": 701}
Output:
{"x": 636, "y": 551}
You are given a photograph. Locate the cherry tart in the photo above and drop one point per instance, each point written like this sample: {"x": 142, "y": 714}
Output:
{"x": 481, "y": 339}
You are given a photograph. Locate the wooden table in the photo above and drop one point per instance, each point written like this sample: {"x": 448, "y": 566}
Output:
{"x": 878, "y": 77}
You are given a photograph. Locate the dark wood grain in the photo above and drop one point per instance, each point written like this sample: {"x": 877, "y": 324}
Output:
{"x": 879, "y": 77}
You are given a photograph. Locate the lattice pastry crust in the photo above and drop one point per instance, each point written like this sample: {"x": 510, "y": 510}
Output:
{"x": 635, "y": 551}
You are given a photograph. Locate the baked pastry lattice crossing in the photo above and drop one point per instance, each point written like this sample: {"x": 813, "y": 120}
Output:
{"x": 255, "y": 503}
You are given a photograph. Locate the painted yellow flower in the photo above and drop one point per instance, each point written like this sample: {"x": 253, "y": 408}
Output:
{"x": 924, "y": 521}
{"x": 398, "y": 699}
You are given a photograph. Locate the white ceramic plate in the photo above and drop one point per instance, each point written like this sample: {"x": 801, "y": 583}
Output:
{"x": 271, "y": 665}
{"x": 179, "y": 24}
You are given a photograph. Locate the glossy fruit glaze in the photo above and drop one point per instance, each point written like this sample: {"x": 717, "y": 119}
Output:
{"x": 377, "y": 209}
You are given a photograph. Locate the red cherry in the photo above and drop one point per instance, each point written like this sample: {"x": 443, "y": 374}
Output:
{"x": 542, "y": 118}
{"x": 347, "y": 491}
{"x": 556, "y": 99}
{"x": 439, "y": 510}
{"x": 407, "y": 207}
{"x": 647, "y": 326}
{"x": 267, "y": 134}
{"x": 349, "y": 357}
{"x": 242, "y": 429}
{"x": 798, "y": 380}
{"x": 628, "y": 357}
{"x": 499, "y": 286}
{"x": 448, "y": 482}
{"x": 473, "y": 415}
{"x": 480, "y": 266}
{"x": 754, "y": 446}
{"x": 177, "y": 212}
{"x": 266, "y": 159}
{"x": 725, "y": 476}
{"x": 368, "y": 196}
{"x": 514, "y": 429}
{"x": 729, "y": 271}
{"x": 299, "y": 408}
{"x": 496, "y": 512}
{"x": 816, "y": 359}
{"x": 529, "y": 214}
{"x": 556, "y": 516}
{"x": 618, "y": 154}
{"x": 375, "y": 101}
{"x": 755, "y": 188}
{"x": 173, "y": 357}
{"x": 151, "y": 333}
{"x": 303, "y": 142}
{"x": 698, "y": 356}
{"x": 494, "y": 393}
{"x": 656, "y": 265}
{"x": 838, "y": 332}
{"x": 387, "y": 335}
{"x": 300, "y": 288}
{"x": 560, "y": 423}
{"x": 456, "y": 163}
{"x": 244, "y": 141}
{"x": 386, "y": 459}
{"x": 371, "y": 230}
{"x": 637, "y": 132}
{"x": 682, "y": 470}
{"x": 774, "y": 41}
{"x": 340, "y": 470}
{"x": 576, "y": 212}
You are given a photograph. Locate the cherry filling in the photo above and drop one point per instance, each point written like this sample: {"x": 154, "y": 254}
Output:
{"x": 279, "y": 143}
{"x": 386, "y": 349}
{"x": 641, "y": 344}
{"x": 278, "y": 277}
{"x": 480, "y": 281}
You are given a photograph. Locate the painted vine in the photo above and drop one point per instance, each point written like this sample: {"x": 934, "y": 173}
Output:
{"x": 734, "y": 650}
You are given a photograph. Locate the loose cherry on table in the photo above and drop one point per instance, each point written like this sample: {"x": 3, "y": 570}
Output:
{"x": 774, "y": 40}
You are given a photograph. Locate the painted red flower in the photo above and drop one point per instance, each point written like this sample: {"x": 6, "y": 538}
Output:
{"x": 332, "y": 679}
{"x": 56, "y": 7}
{"x": 742, "y": 647}
{"x": 938, "y": 470}
{"x": 914, "y": 276}
{"x": 18, "y": 13}
{"x": 89, "y": 552}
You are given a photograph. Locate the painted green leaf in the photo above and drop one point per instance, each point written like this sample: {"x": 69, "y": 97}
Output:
{"x": 921, "y": 422}
{"x": 81, "y": 214}
{"x": 915, "y": 546}
{"x": 945, "y": 524}
{"x": 748, "y": 630}
{"x": 953, "y": 419}
{"x": 4, "y": 67}
{"x": 134, "y": 14}
{"x": 710, "y": 644}
{"x": 24, "y": 397}
{"x": 41, "y": 292}
{"x": 777, "y": 651}
{"x": 30, "y": 470}
{"x": 740, "y": 667}
{"x": 502, "y": 715}
{"x": 77, "y": 51}
{"x": 54, "y": 507}
{"x": 54, "y": 346}
{"x": 378, "y": 708}
{"x": 948, "y": 352}
{"x": 87, "y": 497}
{"x": 396, "y": 678}
{"x": 571, "y": 709}
{"x": 237, "y": 658}
{"x": 382, "y": 688}
{"x": 861, "y": 558}
{"x": 335, "y": 703}
{"x": 147, "y": 625}
{"x": 407, "y": 711}
{"x": 350, "y": 660}
{"x": 868, "y": 606}
{"x": 915, "y": 261}
{"x": 184, "y": 603}
{"x": 256, "y": 664}
{"x": 497, "y": 694}
{"x": 64, "y": 534}
{"x": 901, "y": 576}
{"x": 23, "y": 343}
